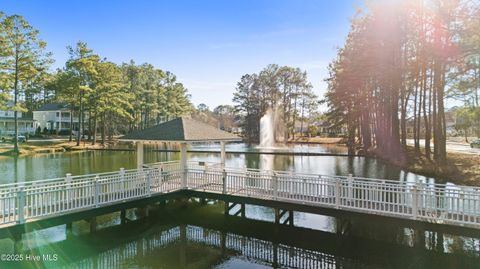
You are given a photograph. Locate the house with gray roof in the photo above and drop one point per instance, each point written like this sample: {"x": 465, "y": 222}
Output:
{"x": 55, "y": 117}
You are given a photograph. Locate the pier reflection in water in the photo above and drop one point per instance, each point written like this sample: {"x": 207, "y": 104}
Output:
{"x": 192, "y": 234}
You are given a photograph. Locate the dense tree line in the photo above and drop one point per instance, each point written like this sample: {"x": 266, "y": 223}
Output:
{"x": 285, "y": 89}
{"x": 399, "y": 62}
{"x": 106, "y": 97}
{"x": 116, "y": 98}
{"x": 223, "y": 117}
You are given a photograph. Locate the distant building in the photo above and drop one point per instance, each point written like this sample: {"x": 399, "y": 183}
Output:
{"x": 7, "y": 123}
{"x": 327, "y": 128}
{"x": 55, "y": 117}
{"x": 301, "y": 127}
{"x": 450, "y": 125}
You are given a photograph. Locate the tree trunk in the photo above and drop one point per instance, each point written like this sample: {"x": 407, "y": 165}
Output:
{"x": 89, "y": 136}
{"x": 71, "y": 123}
{"x": 15, "y": 100}
{"x": 94, "y": 138}
{"x": 426, "y": 115}
{"x": 80, "y": 119}
{"x": 104, "y": 129}
{"x": 442, "y": 140}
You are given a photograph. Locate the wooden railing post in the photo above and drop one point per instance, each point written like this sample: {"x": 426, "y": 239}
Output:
{"x": 122, "y": 181}
{"x": 21, "y": 205}
{"x": 183, "y": 162}
{"x": 415, "y": 201}
{"x": 184, "y": 177}
{"x": 224, "y": 178}
{"x": 160, "y": 179}
{"x": 68, "y": 180}
{"x": 96, "y": 193}
{"x": 275, "y": 185}
{"x": 149, "y": 183}
{"x": 337, "y": 193}
{"x": 350, "y": 187}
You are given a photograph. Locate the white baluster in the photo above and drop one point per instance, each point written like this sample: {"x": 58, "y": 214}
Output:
{"x": 96, "y": 195}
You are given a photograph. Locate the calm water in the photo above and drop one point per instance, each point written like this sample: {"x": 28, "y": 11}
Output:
{"x": 202, "y": 238}
{"x": 178, "y": 235}
{"x": 43, "y": 166}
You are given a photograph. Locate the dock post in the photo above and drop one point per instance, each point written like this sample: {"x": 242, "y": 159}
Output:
{"x": 183, "y": 161}
{"x": 224, "y": 178}
{"x": 290, "y": 218}
{"x": 160, "y": 179}
{"x": 122, "y": 182}
{"x": 337, "y": 193}
{"x": 21, "y": 205}
{"x": 96, "y": 191}
{"x": 68, "y": 229}
{"x": 343, "y": 226}
{"x": 68, "y": 180}
{"x": 139, "y": 145}
{"x": 414, "y": 201}
{"x": 93, "y": 224}
{"x": 277, "y": 215}
{"x": 149, "y": 184}
{"x": 147, "y": 211}
{"x": 123, "y": 216}
{"x": 275, "y": 185}
{"x": 350, "y": 188}
{"x": 222, "y": 154}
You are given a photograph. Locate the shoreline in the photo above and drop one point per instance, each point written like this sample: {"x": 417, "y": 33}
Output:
{"x": 32, "y": 149}
{"x": 461, "y": 169}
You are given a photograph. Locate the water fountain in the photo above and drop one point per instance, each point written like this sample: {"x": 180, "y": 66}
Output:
{"x": 267, "y": 130}
{"x": 268, "y": 127}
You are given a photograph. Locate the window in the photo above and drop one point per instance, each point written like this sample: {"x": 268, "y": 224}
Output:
{"x": 58, "y": 114}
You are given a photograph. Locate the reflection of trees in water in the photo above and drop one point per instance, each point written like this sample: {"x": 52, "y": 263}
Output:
{"x": 253, "y": 161}
{"x": 283, "y": 162}
{"x": 350, "y": 165}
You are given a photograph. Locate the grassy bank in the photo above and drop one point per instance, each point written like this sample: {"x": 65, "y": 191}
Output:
{"x": 463, "y": 169}
{"x": 34, "y": 147}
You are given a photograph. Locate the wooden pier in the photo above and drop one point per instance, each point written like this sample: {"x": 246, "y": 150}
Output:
{"x": 438, "y": 204}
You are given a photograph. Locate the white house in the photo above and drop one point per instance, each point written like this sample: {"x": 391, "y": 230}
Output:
{"x": 7, "y": 123}
{"x": 54, "y": 117}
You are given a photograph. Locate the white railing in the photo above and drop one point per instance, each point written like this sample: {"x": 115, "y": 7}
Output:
{"x": 448, "y": 204}
{"x": 37, "y": 199}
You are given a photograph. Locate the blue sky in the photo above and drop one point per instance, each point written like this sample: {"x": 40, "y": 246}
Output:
{"x": 208, "y": 44}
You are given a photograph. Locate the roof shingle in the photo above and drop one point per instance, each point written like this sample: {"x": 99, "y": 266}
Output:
{"x": 53, "y": 106}
{"x": 181, "y": 129}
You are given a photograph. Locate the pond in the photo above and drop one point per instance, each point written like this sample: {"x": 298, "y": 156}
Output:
{"x": 44, "y": 166}
{"x": 166, "y": 240}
